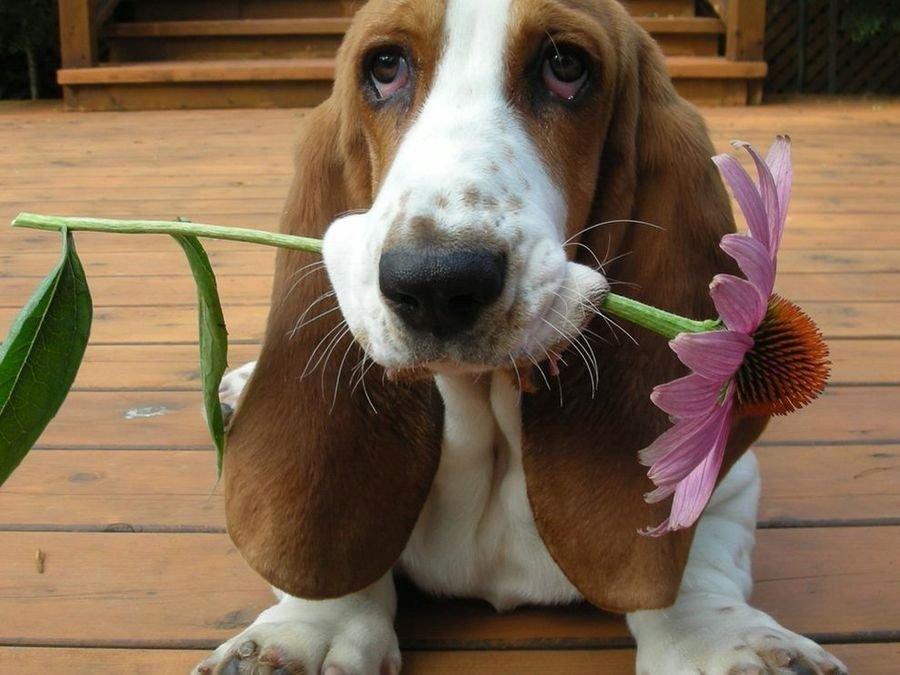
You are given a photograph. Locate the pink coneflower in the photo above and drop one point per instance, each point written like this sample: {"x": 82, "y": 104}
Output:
{"x": 769, "y": 359}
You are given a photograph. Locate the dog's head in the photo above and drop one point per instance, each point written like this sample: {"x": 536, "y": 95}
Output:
{"x": 478, "y": 174}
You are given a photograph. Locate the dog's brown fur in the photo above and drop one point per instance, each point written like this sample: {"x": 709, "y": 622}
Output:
{"x": 321, "y": 501}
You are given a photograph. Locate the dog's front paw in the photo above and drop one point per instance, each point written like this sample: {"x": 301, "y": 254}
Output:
{"x": 727, "y": 639}
{"x": 230, "y": 389}
{"x": 301, "y": 648}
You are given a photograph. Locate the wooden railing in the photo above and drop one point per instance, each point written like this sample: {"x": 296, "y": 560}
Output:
{"x": 79, "y": 22}
{"x": 745, "y": 28}
{"x": 745, "y": 35}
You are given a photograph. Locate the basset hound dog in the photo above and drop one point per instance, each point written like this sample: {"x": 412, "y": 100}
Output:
{"x": 441, "y": 398}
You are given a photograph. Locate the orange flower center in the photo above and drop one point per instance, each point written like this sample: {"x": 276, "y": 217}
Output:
{"x": 788, "y": 365}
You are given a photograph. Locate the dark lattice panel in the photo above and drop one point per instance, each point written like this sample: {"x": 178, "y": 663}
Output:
{"x": 799, "y": 62}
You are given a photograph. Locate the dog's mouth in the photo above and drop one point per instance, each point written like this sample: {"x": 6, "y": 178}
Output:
{"x": 536, "y": 331}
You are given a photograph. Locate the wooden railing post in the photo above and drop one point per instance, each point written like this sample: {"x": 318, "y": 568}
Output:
{"x": 77, "y": 37}
{"x": 745, "y": 29}
{"x": 745, "y": 36}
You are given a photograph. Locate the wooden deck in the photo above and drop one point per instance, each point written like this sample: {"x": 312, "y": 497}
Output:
{"x": 138, "y": 575}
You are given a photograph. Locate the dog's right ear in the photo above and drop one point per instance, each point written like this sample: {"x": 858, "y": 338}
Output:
{"x": 326, "y": 468}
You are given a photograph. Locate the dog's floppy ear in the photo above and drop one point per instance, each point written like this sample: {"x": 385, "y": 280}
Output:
{"x": 325, "y": 475}
{"x": 586, "y": 489}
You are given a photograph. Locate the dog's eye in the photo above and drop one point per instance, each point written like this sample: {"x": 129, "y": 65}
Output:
{"x": 388, "y": 72}
{"x": 564, "y": 71}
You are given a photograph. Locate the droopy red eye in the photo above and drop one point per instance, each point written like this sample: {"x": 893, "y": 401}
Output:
{"x": 388, "y": 72}
{"x": 564, "y": 71}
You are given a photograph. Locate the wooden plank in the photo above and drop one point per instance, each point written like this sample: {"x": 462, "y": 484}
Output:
{"x": 116, "y": 325}
{"x": 868, "y": 659}
{"x": 717, "y": 68}
{"x": 202, "y": 71}
{"x": 38, "y": 661}
{"x": 800, "y": 240}
{"x": 100, "y": 263}
{"x": 241, "y": 289}
{"x": 174, "y": 367}
{"x": 841, "y": 415}
{"x": 200, "y": 95}
{"x": 151, "y": 367}
{"x": 231, "y": 47}
{"x": 681, "y": 8}
{"x": 178, "y": 324}
{"x": 829, "y": 484}
{"x": 864, "y": 362}
{"x": 139, "y": 290}
{"x": 330, "y": 25}
{"x": 138, "y": 256}
{"x": 171, "y": 419}
{"x": 171, "y": 490}
{"x": 165, "y": 590}
{"x": 122, "y": 491}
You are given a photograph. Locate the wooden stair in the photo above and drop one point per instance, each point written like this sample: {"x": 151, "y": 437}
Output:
{"x": 273, "y": 53}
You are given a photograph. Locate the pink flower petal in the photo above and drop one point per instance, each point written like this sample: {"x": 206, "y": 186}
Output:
{"x": 738, "y": 302}
{"x": 693, "y": 493}
{"x": 681, "y": 460}
{"x": 769, "y": 194}
{"x": 754, "y": 261}
{"x": 715, "y": 355}
{"x": 779, "y": 161}
{"x": 658, "y": 531}
{"x": 747, "y": 196}
{"x": 681, "y": 432}
{"x": 689, "y": 396}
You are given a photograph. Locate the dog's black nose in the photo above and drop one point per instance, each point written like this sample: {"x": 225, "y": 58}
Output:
{"x": 441, "y": 292}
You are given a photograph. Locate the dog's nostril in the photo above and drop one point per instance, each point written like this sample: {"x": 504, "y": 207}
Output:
{"x": 440, "y": 292}
{"x": 464, "y": 303}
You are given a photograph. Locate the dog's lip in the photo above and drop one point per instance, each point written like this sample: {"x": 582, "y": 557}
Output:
{"x": 429, "y": 369}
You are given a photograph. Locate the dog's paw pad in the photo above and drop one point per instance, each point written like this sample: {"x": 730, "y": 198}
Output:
{"x": 355, "y": 647}
{"x": 790, "y": 654}
{"x": 746, "y": 669}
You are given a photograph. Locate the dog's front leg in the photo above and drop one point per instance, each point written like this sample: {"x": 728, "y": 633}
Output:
{"x": 711, "y": 629}
{"x": 351, "y": 635}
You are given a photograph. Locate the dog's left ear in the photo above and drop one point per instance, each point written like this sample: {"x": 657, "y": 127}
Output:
{"x": 586, "y": 489}
{"x": 325, "y": 477}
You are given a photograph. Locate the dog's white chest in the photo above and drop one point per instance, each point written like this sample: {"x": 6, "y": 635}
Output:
{"x": 476, "y": 536}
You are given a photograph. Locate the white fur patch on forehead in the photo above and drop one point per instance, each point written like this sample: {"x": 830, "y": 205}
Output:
{"x": 475, "y": 40}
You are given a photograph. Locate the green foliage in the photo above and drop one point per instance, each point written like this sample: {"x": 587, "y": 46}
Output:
{"x": 213, "y": 340}
{"x": 864, "y": 19}
{"x": 28, "y": 29}
{"x": 41, "y": 355}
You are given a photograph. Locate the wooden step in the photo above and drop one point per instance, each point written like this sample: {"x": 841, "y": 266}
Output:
{"x": 660, "y": 8}
{"x": 321, "y": 36}
{"x": 179, "y": 10}
{"x": 225, "y": 39}
{"x": 305, "y": 82}
{"x": 248, "y": 83}
{"x": 716, "y": 80}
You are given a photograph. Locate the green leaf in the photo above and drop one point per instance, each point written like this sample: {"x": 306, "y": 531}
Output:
{"x": 41, "y": 355}
{"x": 213, "y": 340}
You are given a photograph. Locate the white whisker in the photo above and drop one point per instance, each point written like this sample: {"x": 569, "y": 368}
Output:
{"x": 618, "y": 221}
{"x": 310, "y": 367}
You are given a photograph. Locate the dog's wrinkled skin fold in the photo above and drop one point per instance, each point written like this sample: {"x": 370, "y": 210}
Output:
{"x": 433, "y": 436}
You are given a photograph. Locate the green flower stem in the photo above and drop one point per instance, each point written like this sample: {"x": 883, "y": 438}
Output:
{"x": 40, "y": 222}
{"x": 657, "y": 320}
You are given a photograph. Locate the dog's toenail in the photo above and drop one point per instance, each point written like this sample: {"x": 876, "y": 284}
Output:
{"x": 334, "y": 670}
{"x": 247, "y": 649}
{"x": 780, "y": 657}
